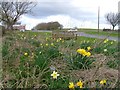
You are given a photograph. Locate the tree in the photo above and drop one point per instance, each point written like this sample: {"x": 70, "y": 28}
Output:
{"x": 41, "y": 26}
{"x": 49, "y": 26}
{"x": 12, "y": 11}
{"x": 113, "y": 19}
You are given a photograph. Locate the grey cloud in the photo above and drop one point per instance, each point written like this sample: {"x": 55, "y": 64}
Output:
{"x": 60, "y": 7}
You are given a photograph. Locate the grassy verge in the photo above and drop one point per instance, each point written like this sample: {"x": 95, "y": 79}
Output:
{"x": 36, "y": 60}
{"x": 95, "y": 32}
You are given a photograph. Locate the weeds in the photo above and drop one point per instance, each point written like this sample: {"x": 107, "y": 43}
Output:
{"x": 29, "y": 60}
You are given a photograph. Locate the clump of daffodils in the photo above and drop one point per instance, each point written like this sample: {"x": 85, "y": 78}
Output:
{"x": 78, "y": 84}
{"x": 55, "y": 75}
{"x": 83, "y": 52}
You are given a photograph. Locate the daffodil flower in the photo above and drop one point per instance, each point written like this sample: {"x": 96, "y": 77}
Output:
{"x": 25, "y": 54}
{"x": 46, "y": 38}
{"x": 105, "y": 41}
{"x": 46, "y": 44}
{"x": 71, "y": 85}
{"x": 111, "y": 42}
{"x": 57, "y": 40}
{"x": 41, "y": 44}
{"x": 103, "y": 82}
{"x": 81, "y": 51}
{"x": 80, "y": 84}
{"x": 88, "y": 54}
{"x": 105, "y": 50}
{"x": 52, "y": 44}
{"x": 60, "y": 39}
{"x": 88, "y": 48}
{"x": 55, "y": 75}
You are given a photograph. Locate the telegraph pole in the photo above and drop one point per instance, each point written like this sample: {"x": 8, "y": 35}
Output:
{"x": 98, "y": 17}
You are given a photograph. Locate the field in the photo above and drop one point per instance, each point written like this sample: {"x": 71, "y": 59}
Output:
{"x": 101, "y": 32}
{"x": 36, "y": 60}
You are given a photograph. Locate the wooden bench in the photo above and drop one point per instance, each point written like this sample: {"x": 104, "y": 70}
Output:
{"x": 64, "y": 35}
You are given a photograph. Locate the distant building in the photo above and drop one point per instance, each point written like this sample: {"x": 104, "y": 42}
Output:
{"x": 73, "y": 29}
{"x": 119, "y": 12}
{"x": 19, "y": 27}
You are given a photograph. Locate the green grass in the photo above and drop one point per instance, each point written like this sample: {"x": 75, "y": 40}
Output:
{"x": 95, "y": 32}
{"x": 44, "y": 55}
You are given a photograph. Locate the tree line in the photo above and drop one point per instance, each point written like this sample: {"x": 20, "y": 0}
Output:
{"x": 48, "y": 26}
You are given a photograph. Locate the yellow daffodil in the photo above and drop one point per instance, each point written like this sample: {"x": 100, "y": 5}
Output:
{"x": 103, "y": 82}
{"x": 60, "y": 39}
{"x": 111, "y": 43}
{"x": 105, "y": 41}
{"x": 57, "y": 40}
{"x": 105, "y": 50}
{"x": 88, "y": 54}
{"x": 88, "y": 48}
{"x": 46, "y": 44}
{"x": 55, "y": 75}
{"x": 41, "y": 44}
{"x": 80, "y": 84}
{"x": 52, "y": 44}
{"x": 46, "y": 38}
{"x": 25, "y": 54}
{"x": 71, "y": 85}
{"x": 84, "y": 54}
{"x": 81, "y": 51}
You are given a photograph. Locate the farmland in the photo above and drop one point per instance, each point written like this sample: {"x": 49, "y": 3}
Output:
{"x": 36, "y": 60}
{"x": 101, "y": 32}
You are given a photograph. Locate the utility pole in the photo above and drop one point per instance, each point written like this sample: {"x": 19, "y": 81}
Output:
{"x": 98, "y": 18}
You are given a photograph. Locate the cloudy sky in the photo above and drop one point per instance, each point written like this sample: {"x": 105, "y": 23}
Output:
{"x": 71, "y": 13}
